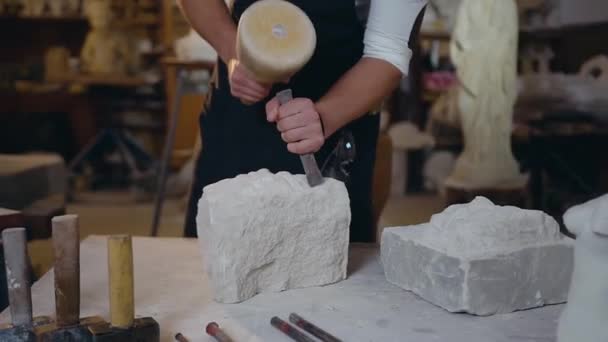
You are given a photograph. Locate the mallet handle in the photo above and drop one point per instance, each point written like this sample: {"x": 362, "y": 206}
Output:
{"x": 66, "y": 244}
{"x": 14, "y": 243}
{"x": 120, "y": 264}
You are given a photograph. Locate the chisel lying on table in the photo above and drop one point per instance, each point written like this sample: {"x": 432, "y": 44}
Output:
{"x": 18, "y": 281}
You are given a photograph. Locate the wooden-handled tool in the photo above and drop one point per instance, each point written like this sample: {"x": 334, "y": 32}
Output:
{"x": 213, "y": 329}
{"x": 312, "y": 329}
{"x": 14, "y": 242}
{"x": 66, "y": 245}
{"x": 275, "y": 39}
{"x": 120, "y": 265}
{"x": 289, "y": 330}
{"x": 123, "y": 326}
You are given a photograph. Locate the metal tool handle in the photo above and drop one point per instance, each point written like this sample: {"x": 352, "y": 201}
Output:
{"x": 120, "y": 264}
{"x": 14, "y": 242}
{"x": 289, "y": 330}
{"x": 66, "y": 242}
{"x": 312, "y": 329}
{"x": 213, "y": 329}
{"x": 313, "y": 174}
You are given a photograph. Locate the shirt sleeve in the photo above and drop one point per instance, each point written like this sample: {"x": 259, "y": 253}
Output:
{"x": 388, "y": 31}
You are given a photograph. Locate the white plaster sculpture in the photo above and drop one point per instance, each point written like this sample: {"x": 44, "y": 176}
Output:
{"x": 586, "y": 315}
{"x": 106, "y": 50}
{"x": 193, "y": 47}
{"x": 264, "y": 232}
{"x": 484, "y": 50}
{"x": 481, "y": 259}
{"x": 445, "y": 110}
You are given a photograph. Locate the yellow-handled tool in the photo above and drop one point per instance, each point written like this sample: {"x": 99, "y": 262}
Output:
{"x": 120, "y": 265}
{"x": 123, "y": 326}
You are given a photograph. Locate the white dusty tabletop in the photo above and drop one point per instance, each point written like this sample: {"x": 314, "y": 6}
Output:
{"x": 170, "y": 286}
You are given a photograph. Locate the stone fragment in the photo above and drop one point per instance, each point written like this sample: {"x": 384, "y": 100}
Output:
{"x": 481, "y": 259}
{"x": 263, "y": 232}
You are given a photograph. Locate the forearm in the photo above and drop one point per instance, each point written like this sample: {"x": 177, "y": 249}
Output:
{"x": 211, "y": 19}
{"x": 386, "y": 59}
{"x": 361, "y": 89}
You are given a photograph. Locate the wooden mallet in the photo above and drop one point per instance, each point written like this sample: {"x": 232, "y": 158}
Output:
{"x": 14, "y": 241}
{"x": 275, "y": 39}
{"x": 67, "y": 326}
{"x": 123, "y": 326}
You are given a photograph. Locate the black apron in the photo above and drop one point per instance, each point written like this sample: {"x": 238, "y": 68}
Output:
{"x": 237, "y": 139}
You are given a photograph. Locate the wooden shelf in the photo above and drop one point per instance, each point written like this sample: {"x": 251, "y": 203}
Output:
{"x": 107, "y": 80}
{"x": 46, "y": 18}
{"x": 188, "y": 65}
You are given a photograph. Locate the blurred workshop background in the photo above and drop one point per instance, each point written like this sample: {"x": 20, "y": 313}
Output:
{"x": 99, "y": 97}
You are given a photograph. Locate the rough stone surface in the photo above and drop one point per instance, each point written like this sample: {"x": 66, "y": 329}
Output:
{"x": 481, "y": 259}
{"x": 263, "y": 232}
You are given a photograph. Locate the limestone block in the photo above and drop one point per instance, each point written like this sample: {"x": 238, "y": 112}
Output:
{"x": 481, "y": 259}
{"x": 264, "y": 232}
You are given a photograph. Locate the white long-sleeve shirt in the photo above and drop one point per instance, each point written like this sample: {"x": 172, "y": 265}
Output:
{"x": 389, "y": 26}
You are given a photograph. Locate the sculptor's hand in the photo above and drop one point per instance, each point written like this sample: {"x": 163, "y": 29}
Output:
{"x": 244, "y": 86}
{"x": 299, "y": 123}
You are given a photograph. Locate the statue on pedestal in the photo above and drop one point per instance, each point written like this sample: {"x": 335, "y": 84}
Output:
{"x": 484, "y": 51}
{"x": 106, "y": 50}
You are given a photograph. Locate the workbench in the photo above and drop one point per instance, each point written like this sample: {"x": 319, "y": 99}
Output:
{"x": 171, "y": 287}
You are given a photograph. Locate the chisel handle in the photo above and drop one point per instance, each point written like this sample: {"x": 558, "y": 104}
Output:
{"x": 289, "y": 330}
{"x": 213, "y": 329}
{"x": 312, "y": 329}
{"x": 120, "y": 265}
{"x": 309, "y": 163}
{"x": 66, "y": 245}
{"x": 14, "y": 241}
